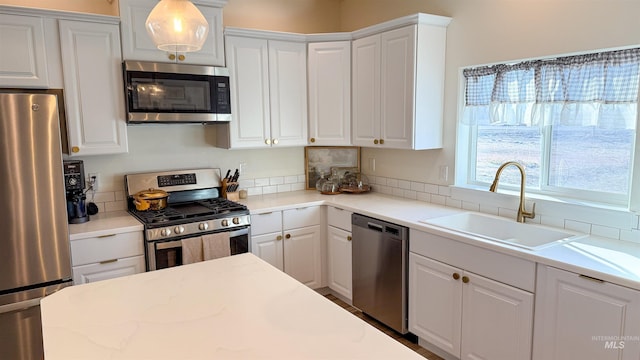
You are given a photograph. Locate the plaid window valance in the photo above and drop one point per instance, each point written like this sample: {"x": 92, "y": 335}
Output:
{"x": 599, "y": 89}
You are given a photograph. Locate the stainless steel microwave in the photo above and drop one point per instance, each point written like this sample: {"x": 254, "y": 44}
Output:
{"x": 176, "y": 93}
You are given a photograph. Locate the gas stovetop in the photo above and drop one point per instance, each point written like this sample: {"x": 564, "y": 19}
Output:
{"x": 194, "y": 205}
{"x": 208, "y": 208}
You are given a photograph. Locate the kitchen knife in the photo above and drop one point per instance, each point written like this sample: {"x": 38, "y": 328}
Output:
{"x": 227, "y": 176}
{"x": 235, "y": 176}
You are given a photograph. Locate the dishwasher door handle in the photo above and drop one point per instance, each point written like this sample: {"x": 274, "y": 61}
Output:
{"x": 375, "y": 227}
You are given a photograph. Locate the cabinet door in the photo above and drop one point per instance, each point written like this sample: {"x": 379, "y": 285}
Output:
{"x": 248, "y": 63}
{"x": 497, "y": 321}
{"x": 330, "y": 93}
{"x": 108, "y": 270}
{"x": 435, "y": 302}
{"x": 269, "y": 248}
{"x": 339, "y": 261}
{"x": 583, "y": 318}
{"x": 92, "y": 67}
{"x": 302, "y": 258}
{"x": 23, "y": 61}
{"x": 288, "y": 92}
{"x": 137, "y": 44}
{"x": 397, "y": 72}
{"x": 366, "y": 91}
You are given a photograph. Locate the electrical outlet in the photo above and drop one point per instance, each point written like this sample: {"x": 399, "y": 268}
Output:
{"x": 242, "y": 168}
{"x": 372, "y": 164}
{"x": 93, "y": 181}
{"x": 444, "y": 173}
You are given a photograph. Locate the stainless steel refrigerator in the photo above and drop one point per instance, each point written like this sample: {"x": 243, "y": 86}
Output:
{"x": 35, "y": 258}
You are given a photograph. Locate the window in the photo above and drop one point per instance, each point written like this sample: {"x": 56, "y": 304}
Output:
{"x": 570, "y": 121}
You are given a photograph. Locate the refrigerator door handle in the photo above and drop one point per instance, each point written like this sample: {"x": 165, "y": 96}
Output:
{"x": 22, "y": 305}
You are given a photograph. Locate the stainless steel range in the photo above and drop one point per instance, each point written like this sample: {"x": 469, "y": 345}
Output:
{"x": 193, "y": 208}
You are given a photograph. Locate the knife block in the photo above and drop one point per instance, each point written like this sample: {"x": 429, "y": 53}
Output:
{"x": 233, "y": 195}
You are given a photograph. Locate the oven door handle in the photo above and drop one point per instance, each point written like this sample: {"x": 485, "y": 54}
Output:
{"x": 169, "y": 245}
{"x": 178, "y": 243}
{"x": 239, "y": 232}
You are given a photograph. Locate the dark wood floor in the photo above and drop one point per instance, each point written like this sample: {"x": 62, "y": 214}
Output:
{"x": 406, "y": 341}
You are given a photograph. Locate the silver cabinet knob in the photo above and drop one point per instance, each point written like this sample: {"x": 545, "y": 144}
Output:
{"x": 275, "y": 141}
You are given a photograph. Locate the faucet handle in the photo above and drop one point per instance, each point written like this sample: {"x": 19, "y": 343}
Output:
{"x": 532, "y": 214}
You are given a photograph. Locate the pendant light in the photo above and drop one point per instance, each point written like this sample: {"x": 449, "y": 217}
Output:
{"x": 177, "y": 26}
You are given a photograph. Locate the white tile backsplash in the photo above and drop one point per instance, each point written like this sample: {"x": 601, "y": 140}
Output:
{"x": 609, "y": 223}
{"x": 116, "y": 200}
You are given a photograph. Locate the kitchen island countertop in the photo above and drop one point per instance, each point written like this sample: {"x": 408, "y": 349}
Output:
{"x": 237, "y": 307}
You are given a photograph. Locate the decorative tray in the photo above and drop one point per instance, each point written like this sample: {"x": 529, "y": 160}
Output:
{"x": 356, "y": 190}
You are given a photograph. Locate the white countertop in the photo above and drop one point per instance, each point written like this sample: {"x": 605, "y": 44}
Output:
{"x": 237, "y": 307}
{"x": 615, "y": 261}
{"x": 114, "y": 222}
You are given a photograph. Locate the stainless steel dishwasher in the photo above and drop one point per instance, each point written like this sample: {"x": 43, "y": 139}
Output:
{"x": 379, "y": 256}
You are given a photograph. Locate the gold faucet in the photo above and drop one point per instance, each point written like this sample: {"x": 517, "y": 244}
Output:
{"x": 522, "y": 213}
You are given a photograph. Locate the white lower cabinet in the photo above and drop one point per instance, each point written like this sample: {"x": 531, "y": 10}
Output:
{"x": 339, "y": 258}
{"x": 579, "y": 317}
{"x": 290, "y": 240}
{"x": 339, "y": 251}
{"x": 462, "y": 313}
{"x": 108, "y": 256}
{"x": 467, "y": 315}
{"x": 108, "y": 269}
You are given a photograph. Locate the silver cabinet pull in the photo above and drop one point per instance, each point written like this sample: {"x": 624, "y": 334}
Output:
{"x": 106, "y": 236}
{"x": 108, "y": 261}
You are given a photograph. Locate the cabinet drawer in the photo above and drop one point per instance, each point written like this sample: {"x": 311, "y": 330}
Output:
{"x": 266, "y": 223}
{"x": 339, "y": 218}
{"x": 105, "y": 248}
{"x": 108, "y": 270}
{"x": 301, "y": 217}
{"x": 504, "y": 268}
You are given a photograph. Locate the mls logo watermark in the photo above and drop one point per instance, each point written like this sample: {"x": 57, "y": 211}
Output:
{"x": 615, "y": 342}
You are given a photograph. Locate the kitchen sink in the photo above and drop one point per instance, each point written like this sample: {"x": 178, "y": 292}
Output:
{"x": 503, "y": 230}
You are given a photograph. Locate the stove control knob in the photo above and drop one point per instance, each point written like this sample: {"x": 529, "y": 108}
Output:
{"x": 225, "y": 222}
{"x": 203, "y": 226}
{"x": 179, "y": 229}
{"x": 236, "y": 220}
{"x": 165, "y": 232}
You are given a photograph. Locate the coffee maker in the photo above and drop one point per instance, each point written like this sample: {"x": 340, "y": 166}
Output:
{"x": 74, "y": 183}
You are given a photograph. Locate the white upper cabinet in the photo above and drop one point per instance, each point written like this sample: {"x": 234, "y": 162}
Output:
{"x": 329, "y": 72}
{"x": 268, "y": 90}
{"x": 23, "y": 62}
{"x": 137, "y": 45}
{"x": 398, "y": 84}
{"x": 92, "y": 68}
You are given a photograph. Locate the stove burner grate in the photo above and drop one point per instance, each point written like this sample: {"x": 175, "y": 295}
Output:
{"x": 189, "y": 210}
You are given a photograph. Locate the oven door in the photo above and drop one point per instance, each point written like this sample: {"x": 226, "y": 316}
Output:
{"x": 166, "y": 254}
